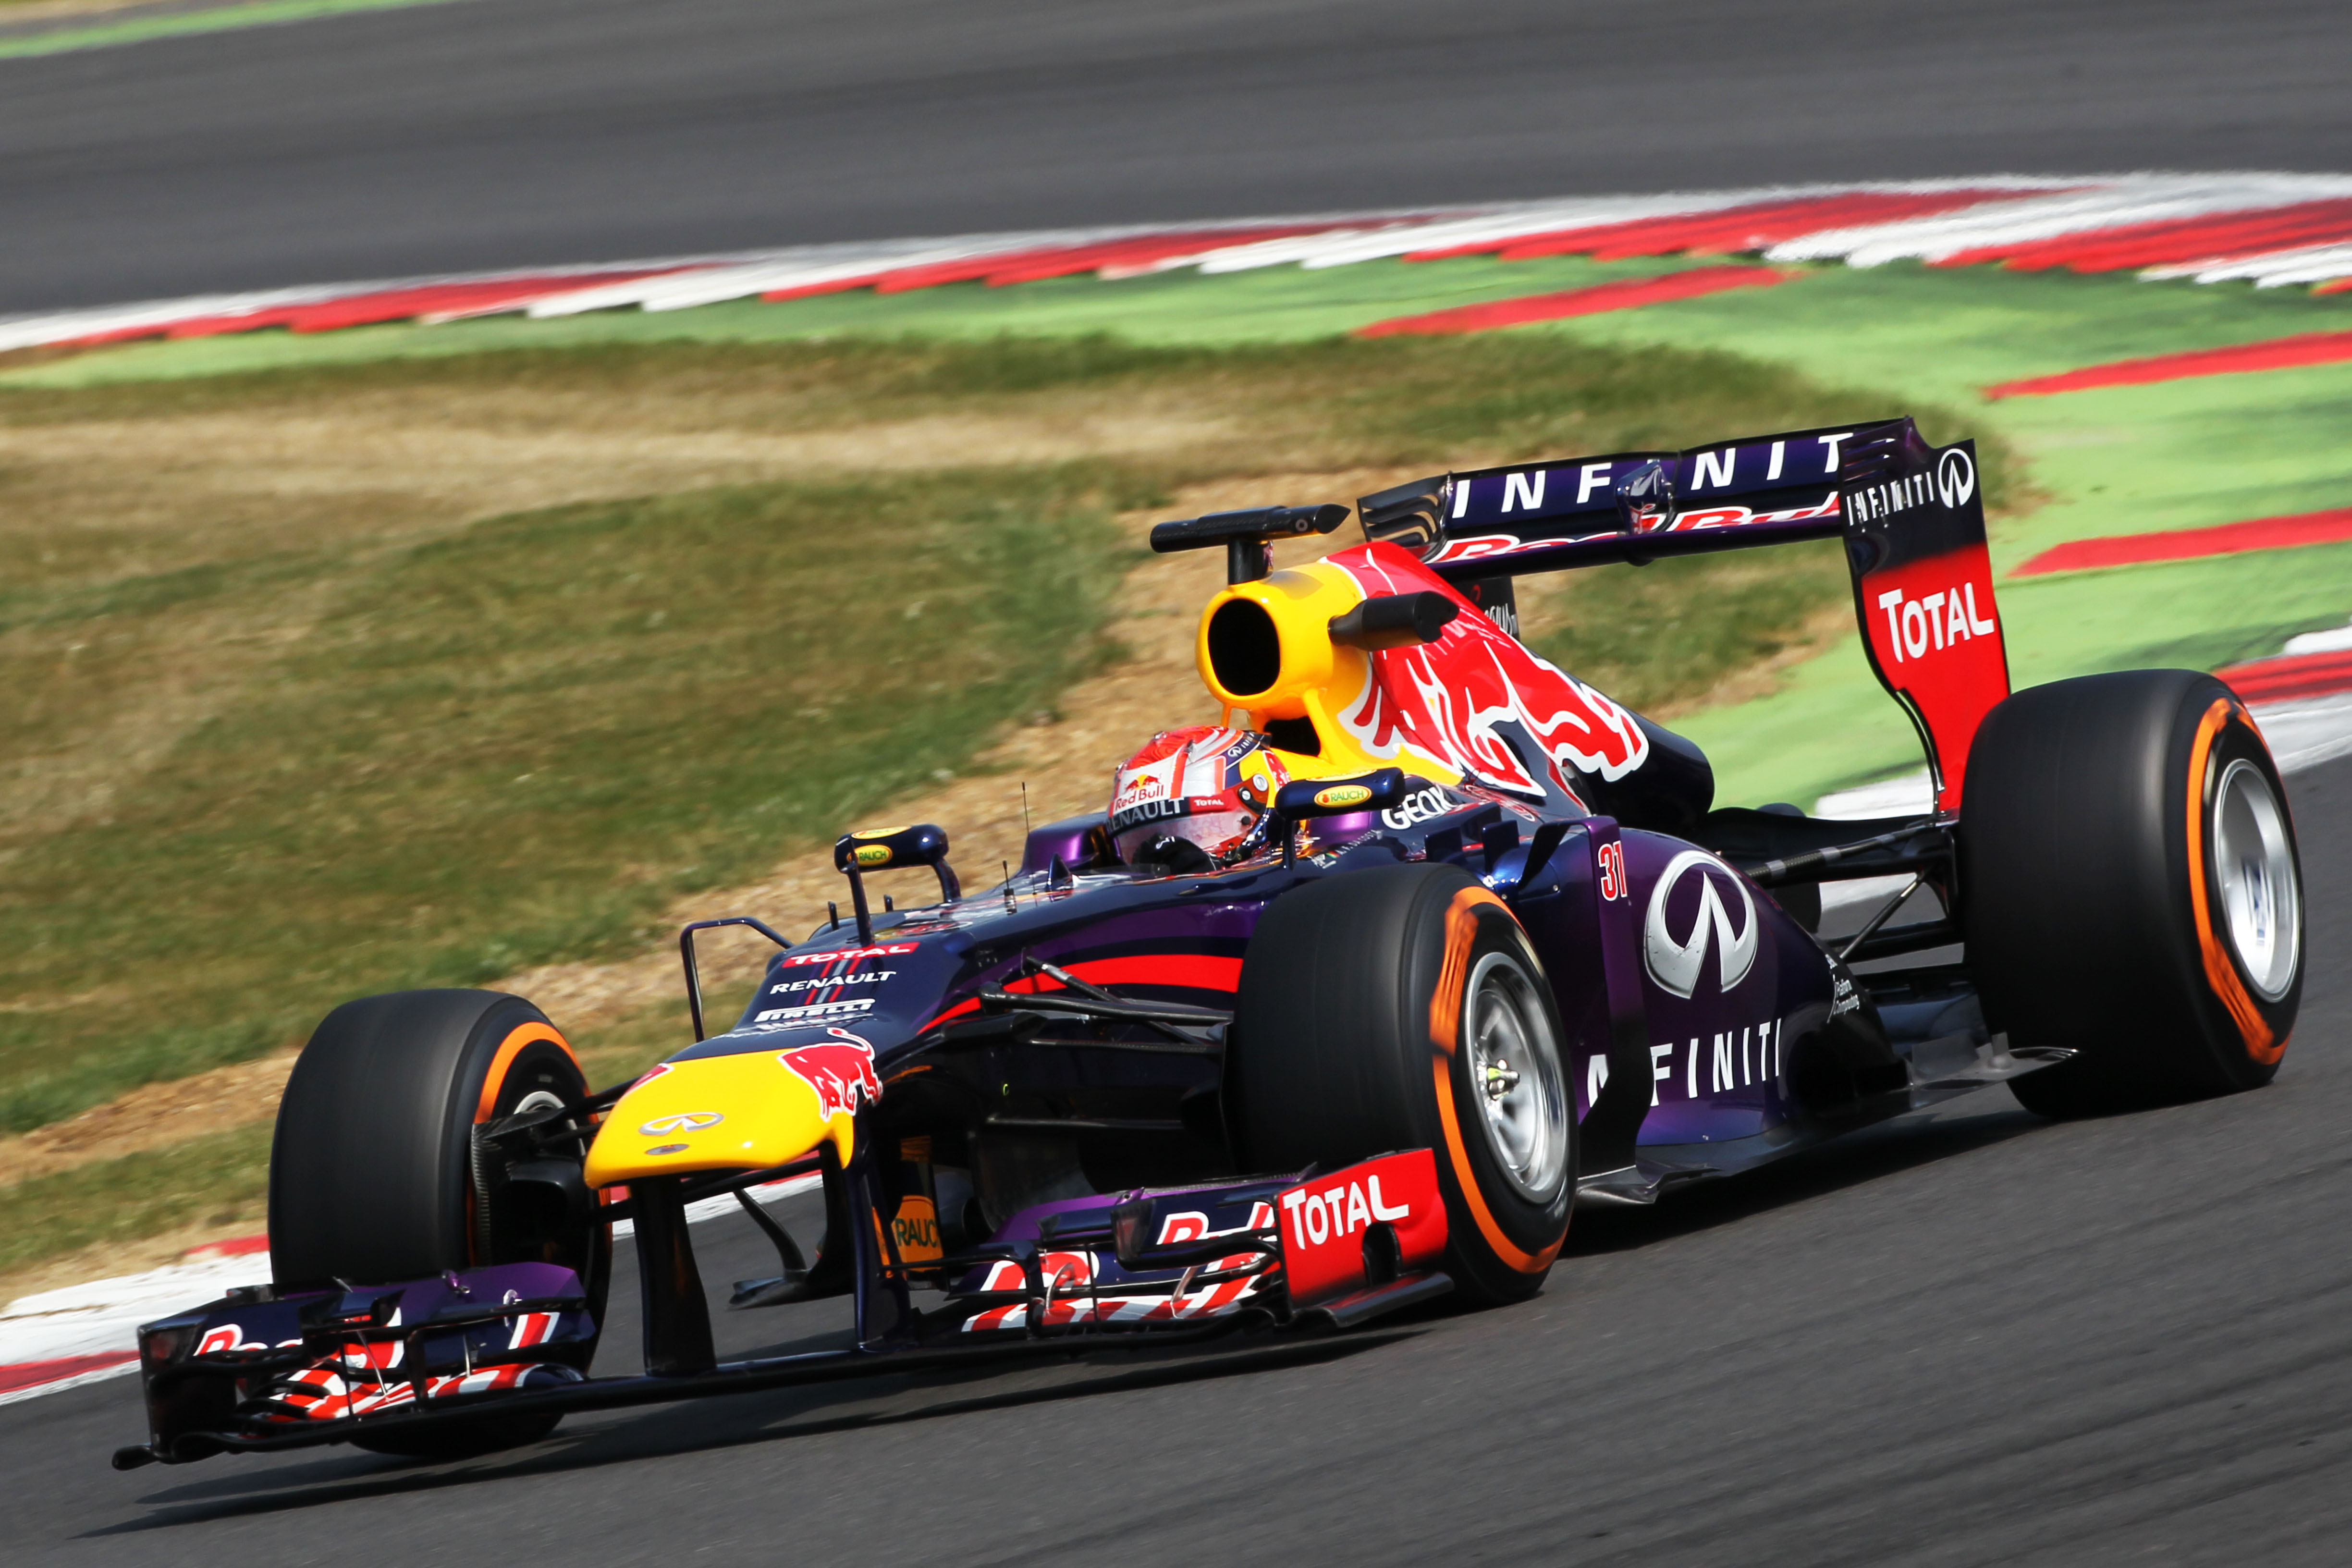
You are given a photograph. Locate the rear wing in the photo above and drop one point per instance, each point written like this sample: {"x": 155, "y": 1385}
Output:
{"x": 1912, "y": 517}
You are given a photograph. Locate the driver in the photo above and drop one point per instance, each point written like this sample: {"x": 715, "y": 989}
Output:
{"x": 1194, "y": 799}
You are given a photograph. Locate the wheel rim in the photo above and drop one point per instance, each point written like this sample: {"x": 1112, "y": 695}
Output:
{"x": 1515, "y": 1076}
{"x": 2254, "y": 867}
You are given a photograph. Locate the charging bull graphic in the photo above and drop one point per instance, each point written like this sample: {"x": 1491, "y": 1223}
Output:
{"x": 840, "y": 1070}
{"x": 1456, "y": 701}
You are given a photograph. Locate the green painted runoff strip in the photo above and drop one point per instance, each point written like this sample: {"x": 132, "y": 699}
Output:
{"x": 181, "y": 24}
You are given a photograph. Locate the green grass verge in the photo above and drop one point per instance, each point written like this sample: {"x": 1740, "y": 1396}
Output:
{"x": 1662, "y": 636}
{"x": 222, "y": 1180}
{"x": 514, "y": 744}
{"x": 511, "y": 746}
{"x": 101, "y": 34}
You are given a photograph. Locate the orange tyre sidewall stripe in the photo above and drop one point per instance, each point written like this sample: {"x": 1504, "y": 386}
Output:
{"x": 2220, "y": 973}
{"x": 1445, "y": 1036}
{"x": 521, "y": 1035}
{"x": 518, "y": 1037}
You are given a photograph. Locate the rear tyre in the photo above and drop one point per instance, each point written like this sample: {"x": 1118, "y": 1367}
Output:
{"x": 374, "y": 1171}
{"x": 2129, "y": 889}
{"x": 1403, "y": 1007}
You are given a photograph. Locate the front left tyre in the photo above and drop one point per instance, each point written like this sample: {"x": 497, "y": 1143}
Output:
{"x": 1400, "y": 1007}
{"x": 376, "y": 1175}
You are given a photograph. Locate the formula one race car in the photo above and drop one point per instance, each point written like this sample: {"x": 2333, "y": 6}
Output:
{"x": 1341, "y": 1005}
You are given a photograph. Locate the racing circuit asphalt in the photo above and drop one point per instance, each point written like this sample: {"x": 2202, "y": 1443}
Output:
{"x": 495, "y": 133}
{"x": 1972, "y": 1338}
{"x": 1968, "y": 1338}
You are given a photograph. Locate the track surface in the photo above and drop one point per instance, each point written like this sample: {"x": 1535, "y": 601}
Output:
{"x": 1977, "y": 1338}
{"x": 521, "y": 133}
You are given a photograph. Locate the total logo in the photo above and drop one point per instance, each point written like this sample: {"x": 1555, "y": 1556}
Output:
{"x": 1677, "y": 962}
{"x": 684, "y": 1121}
{"x": 1939, "y": 620}
{"x": 850, "y": 954}
{"x": 1337, "y": 1212}
{"x": 1421, "y": 805}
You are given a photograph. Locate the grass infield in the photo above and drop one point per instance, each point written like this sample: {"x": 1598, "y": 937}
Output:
{"x": 285, "y": 724}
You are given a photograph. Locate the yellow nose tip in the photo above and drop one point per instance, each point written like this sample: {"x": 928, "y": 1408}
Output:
{"x": 746, "y": 1111}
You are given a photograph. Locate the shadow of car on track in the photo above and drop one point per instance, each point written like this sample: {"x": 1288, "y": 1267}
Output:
{"x": 707, "y": 1425}
{"x": 1871, "y": 1154}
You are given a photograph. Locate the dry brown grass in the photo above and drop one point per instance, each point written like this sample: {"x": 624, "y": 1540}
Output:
{"x": 610, "y": 1010}
{"x": 87, "y": 703}
{"x": 163, "y": 548}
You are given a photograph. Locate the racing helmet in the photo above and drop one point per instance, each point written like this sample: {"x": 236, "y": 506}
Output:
{"x": 1192, "y": 799}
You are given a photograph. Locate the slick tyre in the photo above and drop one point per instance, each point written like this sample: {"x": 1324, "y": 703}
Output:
{"x": 2131, "y": 889}
{"x": 376, "y": 1176}
{"x": 1403, "y": 1007}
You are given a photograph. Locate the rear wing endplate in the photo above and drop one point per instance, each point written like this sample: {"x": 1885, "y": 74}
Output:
{"x": 1912, "y": 517}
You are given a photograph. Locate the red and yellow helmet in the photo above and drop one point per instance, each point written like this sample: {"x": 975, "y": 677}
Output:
{"x": 1194, "y": 798}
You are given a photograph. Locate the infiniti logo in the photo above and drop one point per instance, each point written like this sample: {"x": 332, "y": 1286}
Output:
{"x": 1676, "y": 965}
{"x": 684, "y": 1121}
{"x": 1956, "y": 477}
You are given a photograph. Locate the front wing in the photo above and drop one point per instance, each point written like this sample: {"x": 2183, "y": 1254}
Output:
{"x": 261, "y": 1370}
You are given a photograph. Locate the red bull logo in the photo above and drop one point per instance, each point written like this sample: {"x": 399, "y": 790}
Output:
{"x": 1445, "y": 700}
{"x": 841, "y": 1071}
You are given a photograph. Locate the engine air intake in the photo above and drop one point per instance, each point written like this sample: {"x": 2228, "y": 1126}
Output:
{"x": 1245, "y": 649}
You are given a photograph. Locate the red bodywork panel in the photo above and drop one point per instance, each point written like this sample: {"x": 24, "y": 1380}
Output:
{"x": 1923, "y": 591}
{"x": 1323, "y": 1222}
{"x": 1454, "y": 700}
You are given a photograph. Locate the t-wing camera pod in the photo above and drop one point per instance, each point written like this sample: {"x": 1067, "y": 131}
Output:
{"x": 1248, "y": 536}
{"x": 883, "y": 849}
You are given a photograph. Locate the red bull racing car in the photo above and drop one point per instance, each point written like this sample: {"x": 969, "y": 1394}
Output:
{"x": 1341, "y": 1005}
